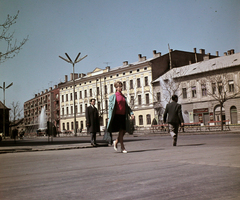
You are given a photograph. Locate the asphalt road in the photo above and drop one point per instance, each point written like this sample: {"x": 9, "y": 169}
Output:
{"x": 200, "y": 167}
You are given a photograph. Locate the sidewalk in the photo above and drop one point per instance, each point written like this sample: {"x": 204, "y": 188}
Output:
{"x": 63, "y": 143}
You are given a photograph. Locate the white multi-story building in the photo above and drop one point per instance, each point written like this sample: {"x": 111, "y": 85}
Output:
{"x": 202, "y": 88}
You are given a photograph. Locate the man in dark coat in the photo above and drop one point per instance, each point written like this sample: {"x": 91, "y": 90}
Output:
{"x": 175, "y": 118}
{"x": 92, "y": 119}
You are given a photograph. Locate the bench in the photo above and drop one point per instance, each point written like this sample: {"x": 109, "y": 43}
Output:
{"x": 216, "y": 124}
{"x": 159, "y": 127}
{"x": 193, "y": 125}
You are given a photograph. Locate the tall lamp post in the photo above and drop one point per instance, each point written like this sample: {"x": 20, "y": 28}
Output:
{"x": 69, "y": 60}
{"x": 4, "y": 88}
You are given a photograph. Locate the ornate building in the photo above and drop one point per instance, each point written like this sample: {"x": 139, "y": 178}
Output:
{"x": 202, "y": 88}
{"x": 137, "y": 87}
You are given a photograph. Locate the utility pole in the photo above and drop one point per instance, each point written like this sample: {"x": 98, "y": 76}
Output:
{"x": 69, "y": 60}
{"x": 4, "y": 88}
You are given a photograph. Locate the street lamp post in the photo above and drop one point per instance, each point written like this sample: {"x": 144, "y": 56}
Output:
{"x": 4, "y": 88}
{"x": 69, "y": 60}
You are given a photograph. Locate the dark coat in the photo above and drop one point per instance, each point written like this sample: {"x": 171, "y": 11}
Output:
{"x": 92, "y": 119}
{"x": 174, "y": 112}
{"x": 111, "y": 113}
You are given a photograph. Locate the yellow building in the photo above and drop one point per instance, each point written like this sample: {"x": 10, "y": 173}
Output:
{"x": 137, "y": 87}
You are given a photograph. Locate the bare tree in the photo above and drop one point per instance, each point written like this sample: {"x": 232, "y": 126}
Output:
{"x": 7, "y": 39}
{"x": 170, "y": 85}
{"x": 15, "y": 112}
{"x": 221, "y": 87}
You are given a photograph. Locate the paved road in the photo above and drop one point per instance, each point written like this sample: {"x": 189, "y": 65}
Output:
{"x": 200, "y": 167}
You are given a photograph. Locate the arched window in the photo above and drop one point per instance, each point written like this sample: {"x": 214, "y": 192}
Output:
{"x": 233, "y": 114}
{"x": 148, "y": 119}
{"x": 140, "y": 120}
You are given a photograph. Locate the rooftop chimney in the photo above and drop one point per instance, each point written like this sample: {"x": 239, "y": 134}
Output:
{"x": 66, "y": 78}
{"x": 232, "y": 51}
{"x": 140, "y": 58}
{"x": 195, "y": 50}
{"x": 225, "y": 53}
{"x": 55, "y": 86}
{"x": 50, "y": 88}
{"x": 202, "y": 51}
{"x": 229, "y": 52}
{"x": 217, "y": 54}
{"x": 108, "y": 68}
{"x": 125, "y": 63}
{"x": 155, "y": 54}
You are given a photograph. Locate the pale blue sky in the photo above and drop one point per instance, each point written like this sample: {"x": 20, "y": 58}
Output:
{"x": 108, "y": 31}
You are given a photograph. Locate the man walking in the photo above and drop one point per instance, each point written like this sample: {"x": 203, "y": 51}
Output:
{"x": 92, "y": 120}
{"x": 175, "y": 118}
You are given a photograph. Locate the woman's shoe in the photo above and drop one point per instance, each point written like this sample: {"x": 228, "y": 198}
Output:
{"x": 115, "y": 145}
{"x": 124, "y": 151}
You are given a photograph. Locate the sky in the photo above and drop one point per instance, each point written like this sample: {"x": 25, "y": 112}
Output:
{"x": 109, "y": 32}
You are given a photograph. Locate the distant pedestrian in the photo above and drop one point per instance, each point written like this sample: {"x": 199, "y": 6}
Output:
{"x": 119, "y": 116}
{"x": 175, "y": 118}
{"x": 92, "y": 119}
{"x": 14, "y": 134}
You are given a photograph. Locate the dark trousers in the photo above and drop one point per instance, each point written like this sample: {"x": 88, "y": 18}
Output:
{"x": 174, "y": 128}
{"x": 93, "y": 138}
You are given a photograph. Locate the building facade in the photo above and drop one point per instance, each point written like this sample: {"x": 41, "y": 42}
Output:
{"x": 203, "y": 87}
{"x": 4, "y": 113}
{"x": 137, "y": 87}
{"x": 33, "y": 108}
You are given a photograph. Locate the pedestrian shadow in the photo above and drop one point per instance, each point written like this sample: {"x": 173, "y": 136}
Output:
{"x": 190, "y": 145}
{"x": 145, "y": 150}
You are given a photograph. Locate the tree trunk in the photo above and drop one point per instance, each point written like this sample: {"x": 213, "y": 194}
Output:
{"x": 221, "y": 106}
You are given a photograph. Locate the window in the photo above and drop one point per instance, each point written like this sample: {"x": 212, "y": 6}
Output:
{"x": 140, "y": 120}
{"x": 105, "y": 88}
{"x": 148, "y": 119}
{"x": 71, "y": 97}
{"x": 231, "y": 86}
{"x": 62, "y": 111}
{"x": 132, "y": 100}
{"x": 131, "y": 84}
{"x": 184, "y": 91}
{"x": 75, "y": 109}
{"x": 124, "y": 85}
{"x": 204, "y": 90}
{"x": 66, "y": 97}
{"x": 90, "y": 92}
{"x": 194, "y": 91}
{"x": 72, "y": 126}
{"x": 71, "y": 109}
{"x": 98, "y": 93}
{"x": 62, "y": 98}
{"x": 220, "y": 87}
{"x": 98, "y": 104}
{"x": 214, "y": 88}
{"x": 158, "y": 96}
{"x": 138, "y": 70}
{"x": 147, "y": 99}
{"x": 75, "y": 95}
{"x": 146, "y": 81}
{"x": 67, "y": 125}
{"x": 139, "y": 100}
{"x": 85, "y": 93}
{"x": 81, "y": 109}
{"x": 85, "y": 107}
{"x": 138, "y": 83}
{"x": 63, "y": 126}
{"x": 111, "y": 88}
{"x": 67, "y": 111}
{"x": 106, "y": 104}
{"x": 80, "y": 95}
